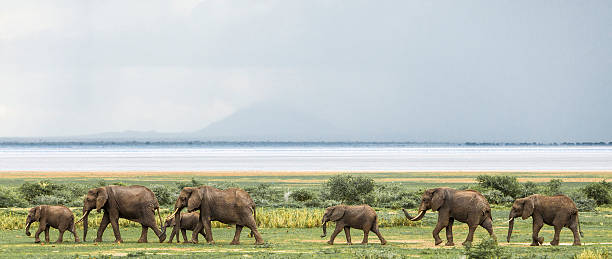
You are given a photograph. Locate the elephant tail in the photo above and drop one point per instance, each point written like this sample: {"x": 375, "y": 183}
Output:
{"x": 575, "y": 216}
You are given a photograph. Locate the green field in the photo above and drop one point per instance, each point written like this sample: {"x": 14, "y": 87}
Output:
{"x": 405, "y": 239}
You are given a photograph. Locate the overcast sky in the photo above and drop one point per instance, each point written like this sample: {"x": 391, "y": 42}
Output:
{"x": 396, "y": 70}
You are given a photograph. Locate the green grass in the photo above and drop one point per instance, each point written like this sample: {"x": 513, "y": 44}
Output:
{"x": 406, "y": 239}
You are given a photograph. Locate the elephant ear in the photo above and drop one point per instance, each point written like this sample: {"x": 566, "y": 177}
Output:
{"x": 195, "y": 199}
{"x": 528, "y": 207}
{"x": 102, "y": 198}
{"x": 337, "y": 213}
{"x": 439, "y": 196}
{"x": 37, "y": 212}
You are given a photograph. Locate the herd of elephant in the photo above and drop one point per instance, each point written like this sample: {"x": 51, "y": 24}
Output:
{"x": 235, "y": 207}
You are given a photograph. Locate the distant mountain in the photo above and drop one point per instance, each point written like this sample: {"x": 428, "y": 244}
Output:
{"x": 270, "y": 122}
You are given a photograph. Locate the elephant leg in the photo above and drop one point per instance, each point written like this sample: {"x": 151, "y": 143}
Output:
{"x": 535, "y": 240}
{"x": 347, "y": 233}
{"x": 488, "y": 225}
{"x": 47, "y": 234}
{"x": 103, "y": 225}
{"x": 143, "y": 235}
{"x": 236, "y": 240}
{"x": 251, "y": 224}
{"x": 40, "y": 229}
{"x": 184, "y": 232}
{"x": 339, "y": 227}
{"x": 574, "y": 230}
{"x": 366, "y": 232}
{"x": 209, "y": 236}
{"x": 470, "y": 236}
{"x": 114, "y": 221}
{"x": 377, "y": 232}
{"x": 449, "y": 232}
{"x": 60, "y": 238}
{"x": 555, "y": 241}
{"x": 74, "y": 233}
{"x": 443, "y": 219}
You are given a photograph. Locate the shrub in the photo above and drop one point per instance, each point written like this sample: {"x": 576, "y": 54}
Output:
{"x": 29, "y": 191}
{"x": 264, "y": 195}
{"x": 553, "y": 187}
{"x": 192, "y": 183}
{"x": 583, "y": 203}
{"x": 48, "y": 200}
{"x": 600, "y": 192}
{"x": 301, "y": 195}
{"x": 497, "y": 197}
{"x": 10, "y": 197}
{"x": 593, "y": 254}
{"x": 395, "y": 196}
{"x": 530, "y": 188}
{"x": 165, "y": 195}
{"x": 508, "y": 185}
{"x": 486, "y": 249}
{"x": 349, "y": 189}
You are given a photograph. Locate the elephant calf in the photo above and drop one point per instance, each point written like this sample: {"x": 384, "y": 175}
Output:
{"x": 558, "y": 211}
{"x": 58, "y": 217}
{"x": 347, "y": 217}
{"x": 189, "y": 221}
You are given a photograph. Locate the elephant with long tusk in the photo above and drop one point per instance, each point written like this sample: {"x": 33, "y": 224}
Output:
{"x": 465, "y": 206}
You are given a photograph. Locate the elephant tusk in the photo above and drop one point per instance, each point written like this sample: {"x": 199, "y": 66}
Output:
{"x": 418, "y": 216}
{"x": 81, "y": 219}
{"x": 508, "y": 221}
{"x": 173, "y": 213}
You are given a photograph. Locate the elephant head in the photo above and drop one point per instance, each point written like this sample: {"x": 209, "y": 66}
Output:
{"x": 431, "y": 199}
{"x": 524, "y": 208}
{"x": 33, "y": 216}
{"x": 190, "y": 197}
{"x": 96, "y": 198}
{"x": 169, "y": 223}
{"x": 333, "y": 213}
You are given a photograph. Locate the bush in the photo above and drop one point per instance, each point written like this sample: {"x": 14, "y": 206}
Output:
{"x": 29, "y": 191}
{"x": 10, "y": 197}
{"x": 349, "y": 189}
{"x": 497, "y": 197}
{"x": 486, "y": 249}
{"x": 583, "y": 203}
{"x": 553, "y": 187}
{"x": 48, "y": 200}
{"x": 165, "y": 195}
{"x": 530, "y": 188}
{"x": 600, "y": 192}
{"x": 301, "y": 195}
{"x": 264, "y": 195}
{"x": 508, "y": 185}
{"x": 192, "y": 183}
{"x": 395, "y": 196}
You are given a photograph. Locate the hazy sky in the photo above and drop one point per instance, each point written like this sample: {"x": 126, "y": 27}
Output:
{"x": 389, "y": 70}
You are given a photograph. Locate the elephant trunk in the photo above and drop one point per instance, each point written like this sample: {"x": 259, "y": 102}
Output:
{"x": 417, "y": 218}
{"x": 510, "y": 227}
{"x": 324, "y": 225}
{"x": 28, "y": 223}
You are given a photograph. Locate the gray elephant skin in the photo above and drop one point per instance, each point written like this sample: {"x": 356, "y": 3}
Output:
{"x": 231, "y": 206}
{"x": 346, "y": 217}
{"x": 58, "y": 217}
{"x": 558, "y": 211}
{"x": 465, "y": 206}
{"x": 189, "y": 221}
{"x": 136, "y": 203}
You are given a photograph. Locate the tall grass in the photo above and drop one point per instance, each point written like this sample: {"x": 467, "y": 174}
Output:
{"x": 13, "y": 219}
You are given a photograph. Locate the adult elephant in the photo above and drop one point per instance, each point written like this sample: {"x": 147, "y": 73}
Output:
{"x": 136, "y": 203}
{"x": 231, "y": 206}
{"x": 558, "y": 211}
{"x": 465, "y": 206}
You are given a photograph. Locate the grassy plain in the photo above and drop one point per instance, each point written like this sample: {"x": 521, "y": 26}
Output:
{"x": 405, "y": 239}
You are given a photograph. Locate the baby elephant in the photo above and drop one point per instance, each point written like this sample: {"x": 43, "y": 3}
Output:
{"x": 189, "y": 221}
{"x": 58, "y": 217}
{"x": 558, "y": 211}
{"x": 347, "y": 217}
